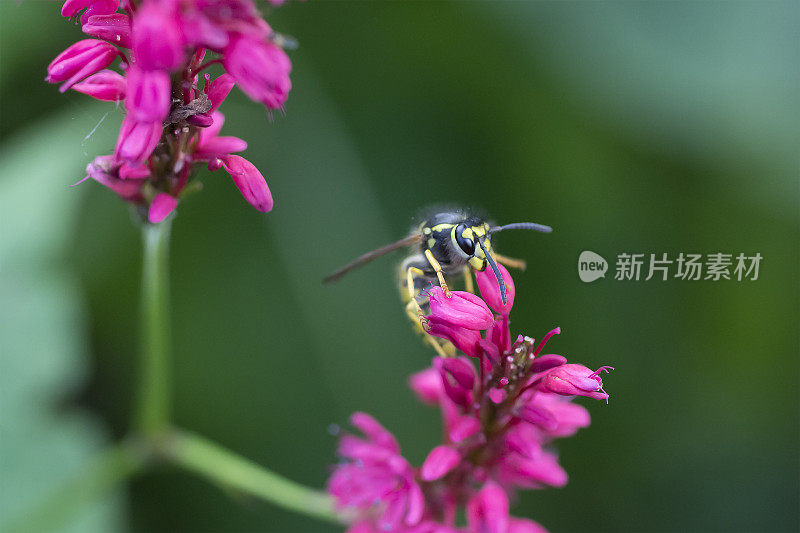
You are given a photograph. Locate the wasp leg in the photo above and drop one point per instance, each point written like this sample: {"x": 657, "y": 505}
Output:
{"x": 438, "y": 269}
{"x": 468, "y": 286}
{"x": 413, "y": 308}
{"x": 510, "y": 261}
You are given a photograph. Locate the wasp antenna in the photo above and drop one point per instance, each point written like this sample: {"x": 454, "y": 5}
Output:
{"x": 496, "y": 270}
{"x": 523, "y": 225}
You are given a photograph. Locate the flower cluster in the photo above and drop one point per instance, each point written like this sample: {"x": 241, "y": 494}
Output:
{"x": 500, "y": 417}
{"x": 172, "y": 122}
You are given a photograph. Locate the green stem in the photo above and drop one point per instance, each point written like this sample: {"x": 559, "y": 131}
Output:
{"x": 105, "y": 472}
{"x": 154, "y": 392}
{"x": 203, "y": 457}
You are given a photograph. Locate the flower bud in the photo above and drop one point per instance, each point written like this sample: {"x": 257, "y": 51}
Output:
{"x": 218, "y": 90}
{"x": 160, "y": 208}
{"x": 466, "y": 340}
{"x": 114, "y": 28}
{"x": 92, "y": 7}
{"x": 575, "y": 380}
{"x": 137, "y": 140}
{"x": 460, "y": 309}
{"x": 157, "y": 39}
{"x": 439, "y": 462}
{"x": 79, "y": 61}
{"x": 104, "y": 170}
{"x": 149, "y": 94}
{"x": 260, "y": 68}
{"x": 105, "y": 85}
{"x": 427, "y": 385}
{"x": 250, "y": 182}
{"x": 490, "y": 289}
{"x": 201, "y": 120}
{"x": 458, "y": 379}
{"x": 487, "y": 511}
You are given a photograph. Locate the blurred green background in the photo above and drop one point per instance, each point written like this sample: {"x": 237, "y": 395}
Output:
{"x": 627, "y": 126}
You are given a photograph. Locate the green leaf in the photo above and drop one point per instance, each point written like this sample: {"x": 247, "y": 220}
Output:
{"x": 43, "y": 337}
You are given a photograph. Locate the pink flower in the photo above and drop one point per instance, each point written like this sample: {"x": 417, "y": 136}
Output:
{"x": 250, "y": 182}
{"x": 439, "y": 462}
{"x": 487, "y": 511}
{"x": 92, "y": 7}
{"x": 114, "y": 28}
{"x": 211, "y": 146}
{"x": 148, "y": 94}
{"x": 79, "y": 61}
{"x": 458, "y": 378}
{"x": 427, "y": 385}
{"x": 157, "y": 40}
{"x": 105, "y": 85}
{"x": 107, "y": 171}
{"x": 460, "y": 309}
{"x": 490, "y": 289}
{"x": 218, "y": 90}
{"x": 137, "y": 140}
{"x": 576, "y": 380}
{"x": 260, "y": 68}
{"x": 500, "y": 414}
{"x": 160, "y": 208}
{"x": 376, "y": 481}
{"x": 466, "y": 340}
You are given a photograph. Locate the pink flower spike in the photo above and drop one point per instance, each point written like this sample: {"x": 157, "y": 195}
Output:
{"x": 460, "y": 309}
{"x": 149, "y": 94}
{"x": 260, "y": 68}
{"x": 490, "y": 289}
{"x": 157, "y": 39}
{"x": 137, "y": 140}
{"x": 79, "y": 61}
{"x": 487, "y": 511}
{"x": 250, "y": 182}
{"x": 114, "y": 28}
{"x": 92, "y": 7}
{"x": 105, "y": 85}
{"x": 439, "y": 463}
{"x": 163, "y": 204}
{"x": 218, "y": 90}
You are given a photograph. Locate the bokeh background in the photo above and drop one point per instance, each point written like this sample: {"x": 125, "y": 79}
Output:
{"x": 627, "y": 126}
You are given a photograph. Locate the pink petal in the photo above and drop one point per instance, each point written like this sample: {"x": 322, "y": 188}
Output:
{"x": 163, "y": 204}
{"x": 490, "y": 289}
{"x": 250, "y": 182}
{"x": 465, "y": 427}
{"x": 439, "y": 462}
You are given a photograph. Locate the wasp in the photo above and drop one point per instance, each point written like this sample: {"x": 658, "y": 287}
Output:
{"x": 447, "y": 245}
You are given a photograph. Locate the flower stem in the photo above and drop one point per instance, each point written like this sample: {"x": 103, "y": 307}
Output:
{"x": 224, "y": 467}
{"x": 104, "y": 473}
{"x": 154, "y": 395}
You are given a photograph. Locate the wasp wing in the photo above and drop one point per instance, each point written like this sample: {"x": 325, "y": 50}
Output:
{"x": 374, "y": 254}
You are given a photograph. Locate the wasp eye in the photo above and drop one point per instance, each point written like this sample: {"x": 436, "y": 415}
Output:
{"x": 466, "y": 244}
